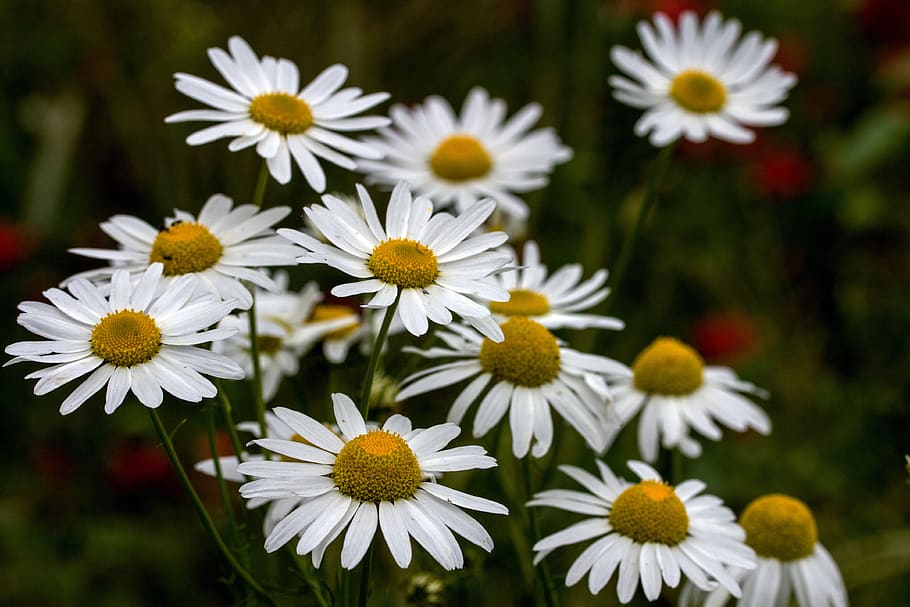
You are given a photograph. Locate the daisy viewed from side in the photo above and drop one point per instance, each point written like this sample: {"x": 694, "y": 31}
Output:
{"x": 791, "y": 561}
{"x": 428, "y": 261}
{"x": 462, "y": 159}
{"x": 648, "y": 531}
{"x": 368, "y": 479}
{"x": 555, "y": 302}
{"x": 132, "y": 339}
{"x": 267, "y": 108}
{"x": 701, "y": 80}
{"x": 674, "y": 390}
{"x": 530, "y": 372}
{"x": 223, "y": 246}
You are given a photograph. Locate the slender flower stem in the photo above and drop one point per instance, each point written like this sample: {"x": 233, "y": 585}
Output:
{"x": 258, "y": 195}
{"x": 222, "y": 486}
{"x": 202, "y": 512}
{"x": 551, "y": 599}
{"x": 365, "y": 577}
{"x": 661, "y": 163}
{"x": 229, "y": 419}
{"x": 261, "y": 182}
{"x": 374, "y": 356}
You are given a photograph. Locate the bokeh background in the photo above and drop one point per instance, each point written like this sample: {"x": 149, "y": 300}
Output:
{"x": 786, "y": 259}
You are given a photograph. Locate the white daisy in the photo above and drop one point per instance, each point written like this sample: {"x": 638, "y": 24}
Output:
{"x": 427, "y": 260}
{"x": 459, "y": 160}
{"x": 648, "y": 531}
{"x": 670, "y": 384}
{"x": 701, "y": 81}
{"x": 129, "y": 340}
{"x": 528, "y": 373}
{"x": 792, "y": 564}
{"x": 268, "y": 109}
{"x": 367, "y": 479}
{"x": 222, "y": 246}
{"x": 554, "y": 302}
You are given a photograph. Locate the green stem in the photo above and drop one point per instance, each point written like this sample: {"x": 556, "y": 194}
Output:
{"x": 365, "y": 577}
{"x": 257, "y": 370}
{"x": 661, "y": 163}
{"x": 229, "y": 420}
{"x": 306, "y": 575}
{"x": 374, "y": 356}
{"x": 202, "y": 512}
{"x": 261, "y": 182}
{"x": 551, "y": 599}
{"x": 222, "y": 486}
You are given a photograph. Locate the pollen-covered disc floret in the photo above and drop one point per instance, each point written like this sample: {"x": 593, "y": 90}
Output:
{"x": 699, "y": 92}
{"x": 282, "y": 112}
{"x": 522, "y": 302}
{"x": 780, "y": 527}
{"x": 460, "y": 158}
{"x": 326, "y": 312}
{"x": 378, "y": 466}
{"x": 528, "y": 356}
{"x": 367, "y": 478}
{"x": 126, "y": 338}
{"x": 184, "y": 248}
{"x": 650, "y": 512}
{"x": 668, "y": 367}
{"x": 405, "y": 263}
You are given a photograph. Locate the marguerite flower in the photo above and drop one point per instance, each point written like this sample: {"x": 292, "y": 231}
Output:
{"x": 670, "y": 384}
{"x": 792, "y": 564}
{"x": 701, "y": 81}
{"x": 222, "y": 247}
{"x": 129, "y": 340}
{"x": 648, "y": 531}
{"x": 426, "y": 260}
{"x": 267, "y": 108}
{"x": 460, "y": 160}
{"x": 367, "y": 479}
{"x": 554, "y": 302}
{"x": 530, "y": 372}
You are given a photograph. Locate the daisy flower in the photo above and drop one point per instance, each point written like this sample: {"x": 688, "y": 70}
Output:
{"x": 529, "y": 372}
{"x": 670, "y": 384}
{"x": 460, "y": 160}
{"x": 369, "y": 478}
{"x": 129, "y": 340}
{"x": 701, "y": 80}
{"x": 222, "y": 247}
{"x": 648, "y": 530}
{"x": 268, "y": 109}
{"x": 554, "y": 302}
{"x": 792, "y": 564}
{"x": 426, "y": 260}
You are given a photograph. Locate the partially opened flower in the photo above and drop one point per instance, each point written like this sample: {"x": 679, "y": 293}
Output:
{"x": 428, "y": 261}
{"x": 132, "y": 339}
{"x": 556, "y": 301}
{"x": 223, "y": 246}
{"x": 460, "y": 160}
{"x": 268, "y": 109}
{"x": 529, "y": 372}
{"x": 674, "y": 390}
{"x": 648, "y": 531}
{"x": 701, "y": 80}
{"x": 368, "y": 479}
{"x": 792, "y": 564}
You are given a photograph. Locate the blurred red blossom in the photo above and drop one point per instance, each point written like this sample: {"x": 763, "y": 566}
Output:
{"x": 137, "y": 466}
{"x": 15, "y": 245}
{"x": 781, "y": 171}
{"x": 724, "y": 336}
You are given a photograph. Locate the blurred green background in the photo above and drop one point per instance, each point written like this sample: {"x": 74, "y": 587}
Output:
{"x": 787, "y": 259}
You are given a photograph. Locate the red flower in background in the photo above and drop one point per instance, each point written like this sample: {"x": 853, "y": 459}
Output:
{"x": 723, "y": 336}
{"x": 137, "y": 466}
{"x": 15, "y": 245}
{"x": 781, "y": 171}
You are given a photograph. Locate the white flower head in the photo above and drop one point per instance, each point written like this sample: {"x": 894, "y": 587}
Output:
{"x": 701, "y": 80}
{"x": 462, "y": 159}
{"x": 132, "y": 339}
{"x": 367, "y": 479}
{"x": 223, "y": 246}
{"x": 792, "y": 564}
{"x": 428, "y": 261}
{"x": 268, "y": 109}
{"x": 674, "y": 390}
{"x": 527, "y": 373}
{"x": 648, "y": 531}
{"x": 556, "y": 301}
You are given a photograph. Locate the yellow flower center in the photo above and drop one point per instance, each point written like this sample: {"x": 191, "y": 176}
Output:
{"x": 460, "y": 158}
{"x": 282, "y": 112}
{"x": 522, "y": 303}
{"x": 126, "y": 338}
{"x": 185, "y": 247}
{"x": 650, "y": 512}
{"x": 668, "y": 367}
{"x": 528, "y": 356}
{"x": 269, "y": 344}
{"x": 324, "y": 312}
{"x": 779, "y": 527}
{"x": 698, "y": 92}
{"x": 404, "y": 263}
{"x": 378, "y": 466}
